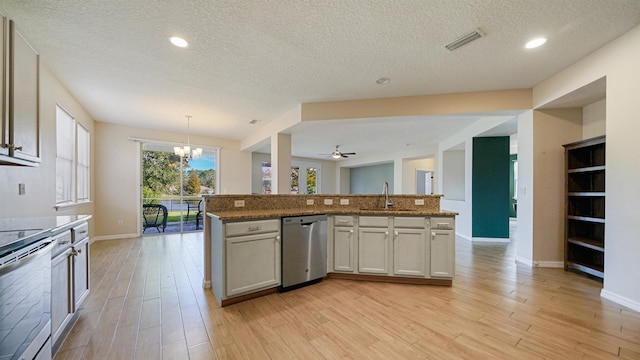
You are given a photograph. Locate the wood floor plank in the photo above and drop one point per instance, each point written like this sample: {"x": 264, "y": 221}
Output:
{"x": 147, "y": 302}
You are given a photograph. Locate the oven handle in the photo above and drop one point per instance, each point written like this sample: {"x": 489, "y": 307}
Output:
{"x": 29, "y": 258}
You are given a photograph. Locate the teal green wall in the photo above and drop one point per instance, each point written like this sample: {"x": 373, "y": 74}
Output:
{"x": 490, "y": 187}
{"x": 512, "y": 158}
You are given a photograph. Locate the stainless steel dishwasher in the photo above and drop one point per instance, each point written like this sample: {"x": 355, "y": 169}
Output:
{"x": 304, "y": 250}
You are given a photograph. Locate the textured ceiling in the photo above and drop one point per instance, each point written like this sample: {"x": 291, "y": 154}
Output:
{"x": 258, "y": 59}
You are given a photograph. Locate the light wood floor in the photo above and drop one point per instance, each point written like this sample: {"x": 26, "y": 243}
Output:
{"x": 147, "y": 302}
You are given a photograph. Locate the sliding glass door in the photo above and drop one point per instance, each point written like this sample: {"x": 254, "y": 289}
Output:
{"x": 172, "y": 187}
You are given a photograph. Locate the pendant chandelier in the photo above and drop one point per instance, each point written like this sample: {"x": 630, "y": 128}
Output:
{"x": 185, "y": 151}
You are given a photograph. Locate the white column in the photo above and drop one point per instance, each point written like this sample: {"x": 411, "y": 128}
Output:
{"x": 281, "y": 163}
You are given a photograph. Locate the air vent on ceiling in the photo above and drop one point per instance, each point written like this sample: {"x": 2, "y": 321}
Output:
{"x": 464, "y": 40}
{"x": 253, "y": 122}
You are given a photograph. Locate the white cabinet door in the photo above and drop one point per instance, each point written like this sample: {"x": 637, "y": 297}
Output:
{"x": 252, "y": 263}
{"x": 61, "y": 304}
{"x": 409, "y": 252}
{"x": 343, "y": 249}
{"x": 442, "y": 253}
{"x": 24, "y": 113}
{"x": 80, "y": 272}
{"x": 373, "y": 250}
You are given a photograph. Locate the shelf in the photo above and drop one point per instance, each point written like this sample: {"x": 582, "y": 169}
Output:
{"x": 588, "y": 243}
{"x": 585, "y": 200}
{"x": 586, "y": 218}
{"x": 586, "y": 269}
{"x": 587, "y": 193}
{"x": 586, "y": 169}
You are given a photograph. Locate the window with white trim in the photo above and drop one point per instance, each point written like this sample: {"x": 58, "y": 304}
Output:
{"x": 72, "y": 159}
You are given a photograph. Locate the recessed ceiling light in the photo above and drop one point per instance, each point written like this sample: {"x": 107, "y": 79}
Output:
{"x": 535, "y": 43}
{"x": 383, "y": 81}
{"x": 178, "y": 41}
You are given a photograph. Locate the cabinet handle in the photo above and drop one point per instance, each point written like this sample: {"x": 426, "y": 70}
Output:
{"x": 278, "y": 238}
{"x": 254, "y": 228}
{"x": 395, "y": 233}
{"x": 386, "y": 233}
{"x": 14, "y": 147}
{"x": 351, "y": 231}
{"x": 433, "y": 236}
{"x": 82, "y": 232}
{"x": 63, "y": 242}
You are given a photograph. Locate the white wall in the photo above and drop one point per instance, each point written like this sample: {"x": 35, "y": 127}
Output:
{"x": 117, "y": 170}
{"x": 525, "y": 190}
{"x": 409, "y": 168}
{"x": 453, "y": 174}
{"x": 40, "y": 182}
{"x": 618, "y": 61}
{"x": 594, "y": 118}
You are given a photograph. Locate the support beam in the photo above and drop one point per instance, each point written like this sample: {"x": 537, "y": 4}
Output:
{"x": 281, "y": 163}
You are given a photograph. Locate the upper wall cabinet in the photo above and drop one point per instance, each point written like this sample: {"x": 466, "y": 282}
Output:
{"x": 20, "y": 99}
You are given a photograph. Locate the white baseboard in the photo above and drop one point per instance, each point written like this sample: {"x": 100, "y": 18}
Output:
{"x": 463, "y": 237}
{"x": 524, "y": 261}
{"x": 495, "y": 240}
{"x": 621, "y": 300}
{"x": 206, "y": 284}
{"x": 549, "y": 264}
{"x": 114, "y": 237}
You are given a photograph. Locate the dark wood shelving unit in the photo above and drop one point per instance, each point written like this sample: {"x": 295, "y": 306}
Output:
{"x": 585, "y": 206}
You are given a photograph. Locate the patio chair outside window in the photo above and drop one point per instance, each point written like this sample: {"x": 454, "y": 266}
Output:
{"x": 154, "y": 216}
{"x": 194, "y": 211}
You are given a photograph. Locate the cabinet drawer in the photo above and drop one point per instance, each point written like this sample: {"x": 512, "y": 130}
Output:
{"x": 252, "y": 227}
{"x": 443, "y": 223}
{"x": 80, "y": 232}
{"x": 340, "y": 220}
{"x": 374, "y": 221}
{"x": 409, "y": 222}
{"x": 64, "y": 243}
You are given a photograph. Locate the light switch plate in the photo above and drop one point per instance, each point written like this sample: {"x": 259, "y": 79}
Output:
{"x": 309, "y": 201}
{"x": 328, "y": 201}
{"x": 238, "y": 203}
{"x": 21, "y": 189}
{"x": 419, "y": 202}
{"x": 344, "y": 201}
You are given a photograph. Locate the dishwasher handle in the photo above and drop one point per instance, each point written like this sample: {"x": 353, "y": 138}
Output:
{"x": 309, "y": 223}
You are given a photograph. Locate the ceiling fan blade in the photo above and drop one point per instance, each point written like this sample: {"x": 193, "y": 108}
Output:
{"x": 351, "y": 153}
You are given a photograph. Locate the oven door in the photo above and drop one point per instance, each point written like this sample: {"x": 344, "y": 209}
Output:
{"x": 25, "y": 301}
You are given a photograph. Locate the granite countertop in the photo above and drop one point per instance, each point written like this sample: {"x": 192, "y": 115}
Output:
{"x": 277, "y": 213}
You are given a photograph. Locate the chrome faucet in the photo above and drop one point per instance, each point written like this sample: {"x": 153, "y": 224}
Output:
{"x": 385, "y": 191}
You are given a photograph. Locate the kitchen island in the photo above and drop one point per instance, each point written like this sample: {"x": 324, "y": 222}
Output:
{"x": 411, "y": 241}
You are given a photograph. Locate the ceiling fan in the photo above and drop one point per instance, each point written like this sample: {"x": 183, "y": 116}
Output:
{"x": 337, "y": 154}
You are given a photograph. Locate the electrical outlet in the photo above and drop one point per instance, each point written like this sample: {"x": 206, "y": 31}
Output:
{"x": 328, "y": 201}
{"x": 419, "y": 202}
{"x": 120, "y": 222}
{"x": 21, "y": 189}
{"x": 309, "y": 201}
{"x": 344, "y": 201}
{"x": 238, "y": 203}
